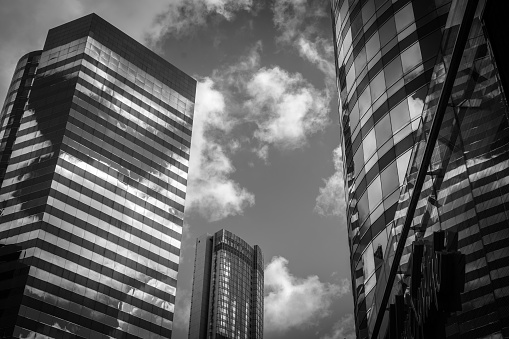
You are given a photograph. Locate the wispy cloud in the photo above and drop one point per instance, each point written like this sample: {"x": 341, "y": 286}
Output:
{"x": 343, "y": 329}
{"x": 292, "y": 302}
{"x": 300, "y": 24}
{"x": 211, "y": 191}
{"x": 183, "y": 17}
{"x": 331, "y": 200}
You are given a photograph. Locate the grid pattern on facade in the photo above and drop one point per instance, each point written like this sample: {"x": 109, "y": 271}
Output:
{"x": 233, "y": 282}
{"x": 385, "y": 53}
{"x": 94, "y": 194}
{"x": 466, "y": 188}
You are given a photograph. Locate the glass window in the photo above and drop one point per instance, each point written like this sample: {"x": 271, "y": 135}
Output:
{"x": 369, "y": 145}
{"x": 383, "y": 130}
{"x": 360, "y": 60}
{"x": 387, "y": 31}
{"x": 368, "y": 262}
{"x": 390, "y": 179}
{"x": 393, "y": 72}
{"x": 377, "y": 85}
{"x": 358, "y": 160}
{"x": 402, "y": 163}
{"x": 368, "y": 10}
{"x": 372, "y": 46}
{"x": 363, "y": 207}
{"x": 374, "y": 193}
{"x": 379, "y": 246}
{"x": 350, "y": 78}
{"x": 400, "y": 116}
{"x": 354, "y": 116}
{"x": 411, "y": 57}
{"x": 364, "y": 101}
{"x": 404, "y": 17}
{"x": 416, "y": 105}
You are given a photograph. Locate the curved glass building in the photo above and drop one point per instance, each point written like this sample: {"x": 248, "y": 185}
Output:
{"x": 385, "y": 54}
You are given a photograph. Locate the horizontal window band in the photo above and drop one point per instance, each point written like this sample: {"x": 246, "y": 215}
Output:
{"x": 78, "y": 106}
{"x": 100, "y": 307}
{"x": 122, "y": 79}
{"x": 54, "y": 250}
{"x": 84, "y": 174}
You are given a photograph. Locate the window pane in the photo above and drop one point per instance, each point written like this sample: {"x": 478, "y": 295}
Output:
{"x": 403, "y": 165}
{"x": 377, "y": 85}
{"x": 369, "y": 262}
{"x": 373, "y": 46}
{"x": 404, "y": 17}
{"x": 383, "y": 130}
{"x": 387, "y": 31}
{"x": 364, "y": 101}
{"x": 374, "y": 193}
{"x": 368, "y": 10}
{"x": 360, "y": 60}
{"x": 411, "y": 57}
{"x": 390, "y": 179}
{"x": 400, "y": 116}
{"x": 393, "y": 72}
{"x": 369, "y": 145}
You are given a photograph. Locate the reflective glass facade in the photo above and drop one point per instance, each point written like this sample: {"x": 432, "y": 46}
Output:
{"x": 227, "y": 300}
{"x": 463, "y": 193}
{"x": 385, "y": 54}
{"x": 95, "y": 153}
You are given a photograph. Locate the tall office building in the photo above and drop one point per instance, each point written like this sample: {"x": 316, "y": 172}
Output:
{"x": 442, "y": 270}
{"x": 95, "y": 137}
{"x": 385, "y": 54}
{"x": 227, "y": 299}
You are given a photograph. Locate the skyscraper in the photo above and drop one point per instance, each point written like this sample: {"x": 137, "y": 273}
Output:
{"x": 95, "y": 139}
{"x": 442, "y": 271}
{"x": 385, "y": 54}
{"x": 227, "y": 299}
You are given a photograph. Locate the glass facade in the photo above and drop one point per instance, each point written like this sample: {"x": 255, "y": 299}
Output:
{"x": 458, "y": 178}
{"x": 93, "y": 186}
{"x": 227, "y": 299}
{"x": 385, "y": 54}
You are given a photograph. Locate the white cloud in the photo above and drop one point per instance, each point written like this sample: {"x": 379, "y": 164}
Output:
{"x": 292, "y": 302}
{"x": 211, "y": 191}
{"x": 285, "y": 107}
{"x": 331, "y": 200}
{"x": 183, "y": 17}
{"x": 343, "y": 329}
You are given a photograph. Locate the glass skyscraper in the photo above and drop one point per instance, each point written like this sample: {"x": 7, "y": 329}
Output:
{"x": 385, "y": 54}
{"x": 95, "y": 138}
{"x": 442, "y": 270}
{"x": 227, "y": 299}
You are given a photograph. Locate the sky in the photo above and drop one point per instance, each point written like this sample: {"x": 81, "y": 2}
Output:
{"x": 265, "y": 157}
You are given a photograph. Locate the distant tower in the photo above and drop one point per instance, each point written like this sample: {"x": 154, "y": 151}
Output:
{"x": 227, "y": 300}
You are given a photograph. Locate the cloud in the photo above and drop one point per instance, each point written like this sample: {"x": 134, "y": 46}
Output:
{"x": 331, "y": 200}
{"x": 343, "y": 329}
{"x": 286, "y": 108}
{"x": 301, "y": 24}
{"x": 182, "y": 17}
{"x": 211, "y": 191}
{"x": 292, "y": 302}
